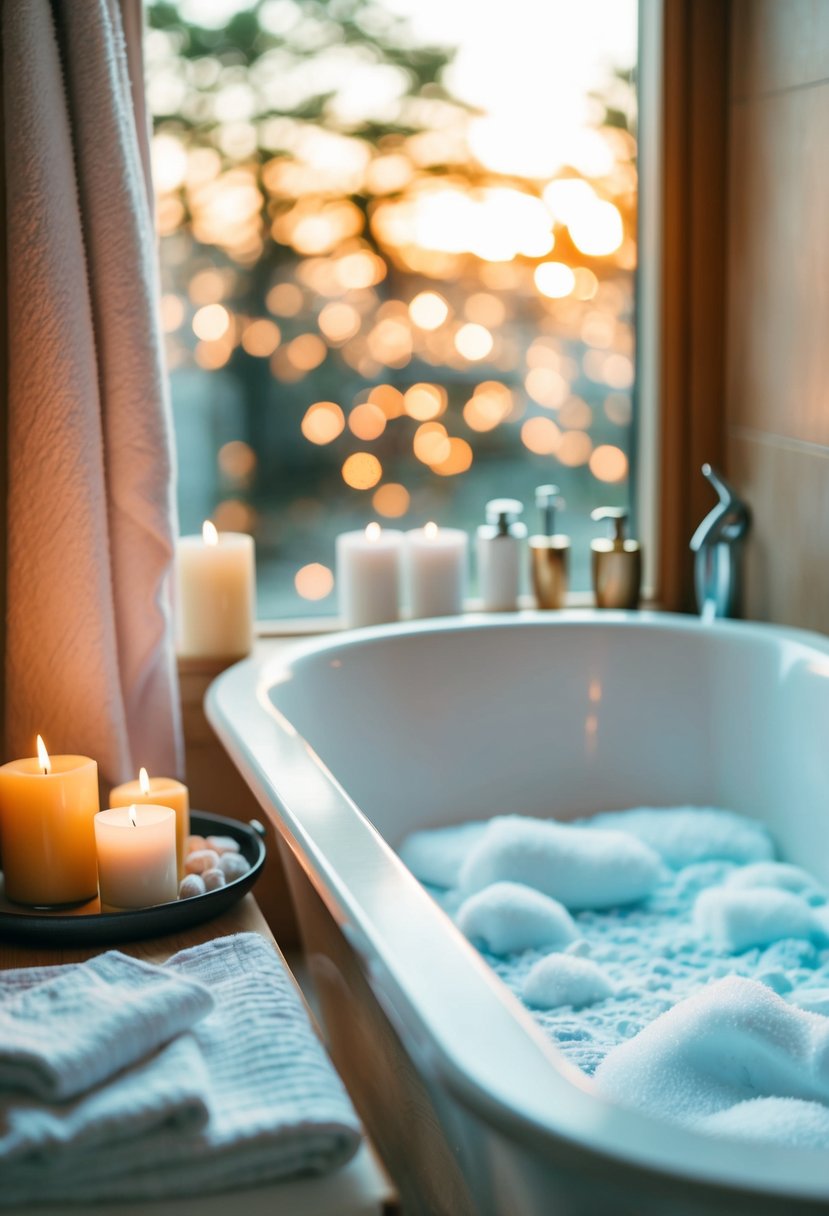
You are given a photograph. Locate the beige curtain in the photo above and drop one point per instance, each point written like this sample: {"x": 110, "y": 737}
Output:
{"x": 90, "y": 496}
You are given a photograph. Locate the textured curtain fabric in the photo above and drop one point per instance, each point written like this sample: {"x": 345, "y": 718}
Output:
{"x": 90, "y": 508}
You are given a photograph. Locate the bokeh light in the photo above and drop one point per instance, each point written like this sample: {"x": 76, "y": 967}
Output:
{"x": 609, "y": 463}
{"x": 314, "y": 581}
{"x": 391, "y": 500}
{"x": 323, "y": 422}
{"x": 428, "y": 310}
{"x": 541, "y": 436}
{"x": 367, "y": 421}
{"x": 361, "y": 470}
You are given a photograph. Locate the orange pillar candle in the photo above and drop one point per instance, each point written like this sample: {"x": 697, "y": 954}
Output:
{"x": 136, "y": 857}
{"x": 159, "y": 791}
{"x": 47, "y": 808}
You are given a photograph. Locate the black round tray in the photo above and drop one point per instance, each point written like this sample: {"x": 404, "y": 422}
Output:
{"x": 83, "y": 927}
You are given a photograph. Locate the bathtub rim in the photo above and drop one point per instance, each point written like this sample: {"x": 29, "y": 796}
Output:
{"x": 502, "y": 1095}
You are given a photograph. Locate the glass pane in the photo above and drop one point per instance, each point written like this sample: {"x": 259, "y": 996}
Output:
{"x": 398, "y": 258}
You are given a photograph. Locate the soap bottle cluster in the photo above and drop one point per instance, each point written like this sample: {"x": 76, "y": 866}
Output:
{"x": 501, "y": 542}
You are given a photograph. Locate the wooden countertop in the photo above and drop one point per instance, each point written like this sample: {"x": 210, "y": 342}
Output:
{"x": 358, "y": 1189}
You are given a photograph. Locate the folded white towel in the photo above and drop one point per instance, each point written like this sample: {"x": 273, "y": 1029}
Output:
{"x": 166, "y": 1093}
{"x": 63, "y": 1030}
{"x": 276, "y": 1106}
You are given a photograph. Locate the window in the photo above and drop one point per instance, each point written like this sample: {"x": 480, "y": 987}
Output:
{"x": 398, "y": 259}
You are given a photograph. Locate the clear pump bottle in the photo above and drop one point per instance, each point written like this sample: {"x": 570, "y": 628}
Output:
{"x": 500, "y": 547}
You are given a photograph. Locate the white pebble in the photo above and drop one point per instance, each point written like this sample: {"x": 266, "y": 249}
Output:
{"x": 508, "y": 917}
{"x": 222, "y": 844}
{"x": 201, "y": 860}
{"x": 565, "y": 979}
{"x": 233, "y": 866}
{"x": 190, "y": 885}
{"x": 195, "y": 843}
{"x": 213, "y": 879}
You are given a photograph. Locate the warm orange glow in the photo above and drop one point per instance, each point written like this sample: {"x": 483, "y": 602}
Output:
{"x": 576, "y": 415}
{"x": 367, "y": 421}
{"x": 391, "y": 500}
{"x": 356, "y": 271}
{"x": 172, "y": 313}
{"x": 540, "y": 435}
{"x": 597, "y": 229}
{"x": 211, "y": 322}
{"x": 237, "y": 460}
{"x": 373, "y": 532}
{"x": 43, "y": 756}
{"x": 490, "y": 404}
{"x": 261, "y": 338}
{"x": 546, "y": 386}
{"x": 568, "y": 197}
{"x": 144, "y": 781}
{"x": 323, "y": 422}
{"x": 209, "y": 534}
{"x": 428, "y": 310}
{"x": 425, "y": 401}
{"x": 473, "y": 341}
{"x": 314, "y": 582}
{"x": 233, "y": 515}
{"x": 390, "y": 400}
{"x": 390, "y": 342}
{"x": 458, "y": 460}
{"x": 306, "y": 351}
{"x": 586, "y": 284}
{"x": 431, "y": 443}
{"x": 575, "y": 448}
{"x": 339, "y": 321}
{"x": 361, "y": 470}
{"x": 485, "y": 309}
{"x": 285, "y": 300}
{"x": 554, "y": 280}
{"x": 609, "y": 463}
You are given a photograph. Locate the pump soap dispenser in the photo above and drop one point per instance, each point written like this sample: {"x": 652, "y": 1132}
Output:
{"x": 617, "y": 563}
{"x": 499, "y": 544}
{"x": 549, "y": 552}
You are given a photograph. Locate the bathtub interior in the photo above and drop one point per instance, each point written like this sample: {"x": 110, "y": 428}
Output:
{"x": 451, "y": 724}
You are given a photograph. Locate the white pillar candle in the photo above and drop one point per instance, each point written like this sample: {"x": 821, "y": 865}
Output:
{"x": 368, "y": 576}
{"x": 136, "y": 848}
{"x": 436, "y": 562}
{"x": 215, "y": 594}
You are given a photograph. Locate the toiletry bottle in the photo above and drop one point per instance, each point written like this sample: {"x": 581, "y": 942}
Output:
{"x": 617, "y": 563}
{"x": 499, "y": 544}
{"x": 549, "y": 552}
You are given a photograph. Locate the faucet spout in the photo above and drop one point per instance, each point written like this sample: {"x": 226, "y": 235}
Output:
{"x": 717, "y": 543}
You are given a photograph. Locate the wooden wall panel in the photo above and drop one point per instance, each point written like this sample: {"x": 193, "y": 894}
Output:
{"x": 777, "y": 419}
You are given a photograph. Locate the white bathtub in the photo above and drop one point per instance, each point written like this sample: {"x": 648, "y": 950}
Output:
{"x": 352, "y": 742}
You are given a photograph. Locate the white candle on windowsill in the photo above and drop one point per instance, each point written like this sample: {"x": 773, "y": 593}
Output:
{"x": 436, "y": 565}
{"x": 215, "y": 594}
{"x": 368, "y": 576}
{"x": 136, "y": 849}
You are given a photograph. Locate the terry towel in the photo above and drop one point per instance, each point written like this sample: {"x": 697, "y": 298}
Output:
{"x": 65, "y": 1029}
{"x": 276, "y": 1107}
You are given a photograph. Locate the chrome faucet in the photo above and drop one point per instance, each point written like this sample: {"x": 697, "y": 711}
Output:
{"x": 717, "y": 544}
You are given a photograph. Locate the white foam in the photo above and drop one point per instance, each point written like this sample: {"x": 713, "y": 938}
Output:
{"x": 507, "y": 917}
{"x": 733, "y": 1041}
{"x": 566, "y": 979}
{"x": 583, "y": 868}
{"x": 780, "y": 875}
{"x": 435, "y": 855}
{"x": 757, "y": 916}
{"x": 685, "y": 835}
{"x": 789, "y": 1121}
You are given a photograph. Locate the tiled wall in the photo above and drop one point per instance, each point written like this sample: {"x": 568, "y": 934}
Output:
{"x": 778, "y": 302}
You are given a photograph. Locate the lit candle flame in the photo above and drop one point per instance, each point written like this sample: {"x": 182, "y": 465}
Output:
{"x": 133, "y": 819}
{"x": 430, "y": 531}
{"x": 208, "y": 533}
{"x": 43, "y": 756}
{"x": 373, "y": 532}
{"x": 144, "y": 781}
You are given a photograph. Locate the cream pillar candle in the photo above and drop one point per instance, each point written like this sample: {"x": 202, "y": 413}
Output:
{"x": 47, "y": 808}
{"x": 436, "y": 563}
{"x": 215, "y": 594}
{"x": 159, "y": 791}
{"x": 368, "y": 576}
{"x": 136, "y": 847}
